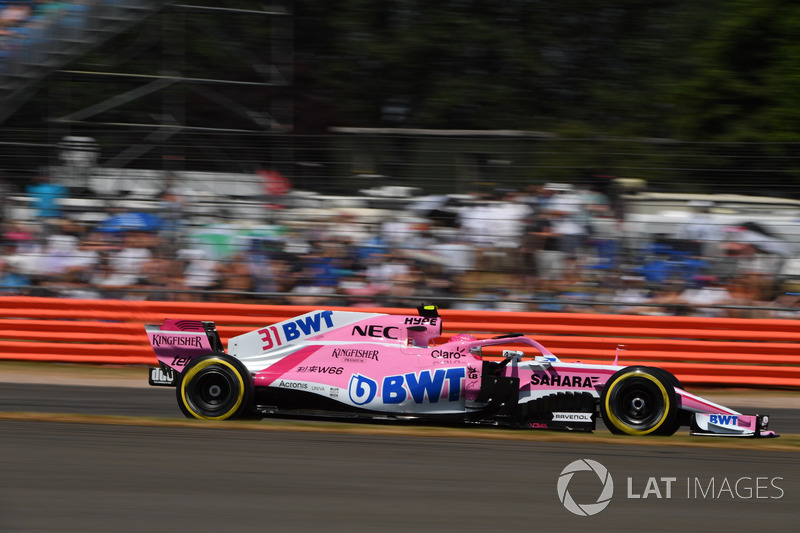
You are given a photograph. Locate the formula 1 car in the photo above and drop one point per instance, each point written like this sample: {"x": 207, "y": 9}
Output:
{"x": 356, "y": 365}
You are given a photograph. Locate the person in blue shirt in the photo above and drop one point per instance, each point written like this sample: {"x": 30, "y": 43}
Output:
{"x": 45, "y": 195}
{"x": 11, "y": 282}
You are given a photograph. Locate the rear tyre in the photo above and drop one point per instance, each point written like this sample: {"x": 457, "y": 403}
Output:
{"x": 639, "y": 401}
{"x": 215, "y": 387}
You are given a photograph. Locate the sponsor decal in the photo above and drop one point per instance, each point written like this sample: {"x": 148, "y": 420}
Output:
{"x": 294, "y": 329}
{"x": 192, "y": 341}
{"x": 723, "y": 420}
{"x": 180, "y": 361}
{"x": 420, "y": 320}
{"x": 571, "y": 381}
{"x": 293, "y": 385}
{"x": 416, "y": 386}
{"x": 537, "y": 425}
{"x": 336, "y": 370}
{"x": 376, "y": 331}
{"x": 353, "y": 353}
{"x": 572, "y": 417}
{"x": 160, "y": 376}
{"x": 362, "y": 389}
{"x": 445, "y": 354}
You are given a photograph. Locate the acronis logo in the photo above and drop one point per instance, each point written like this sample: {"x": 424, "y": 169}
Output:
{"x": 419, "y": 387}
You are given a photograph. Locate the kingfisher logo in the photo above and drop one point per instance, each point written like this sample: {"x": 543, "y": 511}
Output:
{"x": 585, "y": 509}
{"x": 419, "y": 387}
{"x": 192, "y": 341}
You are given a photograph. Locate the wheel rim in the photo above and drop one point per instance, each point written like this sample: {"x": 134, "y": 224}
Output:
{"x": 639, "y": 404}
{"x": 212, "y": 390}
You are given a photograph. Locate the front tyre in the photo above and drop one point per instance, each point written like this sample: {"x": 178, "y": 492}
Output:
{"x": 215, "y": 387}
{"x": 638, "y": 401}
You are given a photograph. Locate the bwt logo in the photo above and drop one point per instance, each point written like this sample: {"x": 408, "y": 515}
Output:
{"x": 586, "y": 509}
{"x": 723, "y": 420}
{"x": 293, "y": 330}
{"x": 307, "y": 325}
{"x": 396, "y": 389}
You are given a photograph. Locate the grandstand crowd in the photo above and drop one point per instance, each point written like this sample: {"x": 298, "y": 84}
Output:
{"x": 539, "y": 249}
{"x": 21, "y": 20}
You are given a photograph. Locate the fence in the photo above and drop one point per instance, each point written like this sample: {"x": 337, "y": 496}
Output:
{"x": 699, "y": 351}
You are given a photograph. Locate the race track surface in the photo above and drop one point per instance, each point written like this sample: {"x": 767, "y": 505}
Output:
{"x": 100, "y": 478}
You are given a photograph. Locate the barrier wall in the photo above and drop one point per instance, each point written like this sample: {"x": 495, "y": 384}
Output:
{"x": 699, "y": 351}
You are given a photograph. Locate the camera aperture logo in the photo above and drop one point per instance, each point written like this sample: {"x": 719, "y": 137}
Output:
{"x": 586, "y": 509}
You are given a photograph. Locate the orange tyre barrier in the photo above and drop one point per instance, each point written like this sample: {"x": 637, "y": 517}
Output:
{"x": 698, "y": 350}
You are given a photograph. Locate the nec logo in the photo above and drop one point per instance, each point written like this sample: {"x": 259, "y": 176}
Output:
{"x": 723, "y": 420}
{"x": 374, "y": 330}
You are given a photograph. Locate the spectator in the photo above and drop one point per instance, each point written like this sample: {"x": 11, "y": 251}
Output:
{"x": 46, "y": 196}
{"x": 541, "y": 243}
{"x": 14, "y": 14}
{"x": 132, "y": 256}
{"x": 567, "y": 217}
{"x": 632, "y": 292}
{"x": 200, "y": 272}
{"x": 701, "y": 233}
{"x": 12, "y": 282}
{"x": 234, "y": 276}
{"x": 706, "y": 291}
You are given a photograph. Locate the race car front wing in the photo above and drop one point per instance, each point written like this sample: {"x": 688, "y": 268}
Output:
{"x": 724, "y": 425}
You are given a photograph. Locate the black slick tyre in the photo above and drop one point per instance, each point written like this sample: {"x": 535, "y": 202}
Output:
{"x": 639, "y": 401}
{"x": 215, "y": 387}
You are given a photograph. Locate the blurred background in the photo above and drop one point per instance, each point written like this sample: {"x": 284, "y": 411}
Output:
{"x": 620, "y": 157}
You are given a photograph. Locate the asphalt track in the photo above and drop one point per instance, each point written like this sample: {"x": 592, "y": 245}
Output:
{"x": 117, "y": 478}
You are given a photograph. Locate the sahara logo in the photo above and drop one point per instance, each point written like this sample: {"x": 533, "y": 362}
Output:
{"x": 587, "y": 509}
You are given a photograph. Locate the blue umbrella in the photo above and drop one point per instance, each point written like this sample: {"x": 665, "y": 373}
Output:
{"x": 135, "y": 221}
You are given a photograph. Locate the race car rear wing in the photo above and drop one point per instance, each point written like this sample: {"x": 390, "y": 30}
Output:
{"x": 177, "y": 342}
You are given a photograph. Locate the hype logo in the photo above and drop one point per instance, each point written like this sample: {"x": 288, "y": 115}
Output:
{"x": 362, "y": 389}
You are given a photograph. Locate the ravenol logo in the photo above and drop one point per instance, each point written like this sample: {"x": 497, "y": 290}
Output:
{"x": 587, "y": 509}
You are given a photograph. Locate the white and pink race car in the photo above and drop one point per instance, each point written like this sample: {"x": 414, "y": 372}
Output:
{"x": 355, "y": 365}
